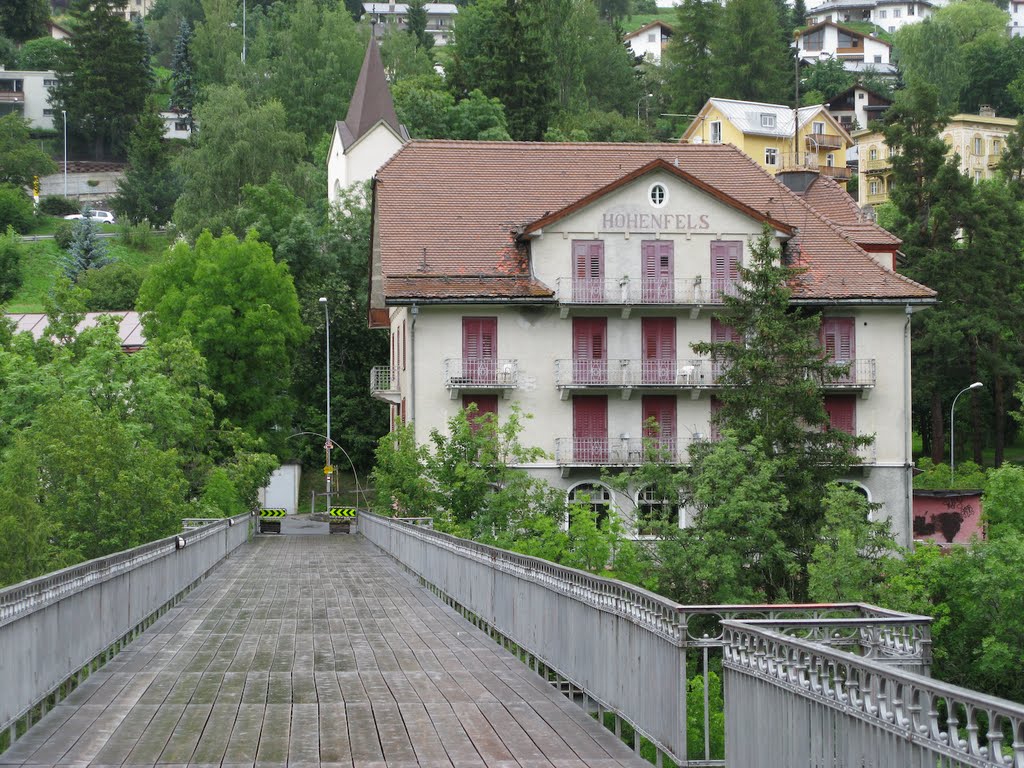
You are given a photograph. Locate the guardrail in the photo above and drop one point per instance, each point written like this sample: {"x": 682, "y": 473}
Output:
{"x": 56, "y": 628}
{"x": 620, "y": 648}
{"x": 855, "y": 707}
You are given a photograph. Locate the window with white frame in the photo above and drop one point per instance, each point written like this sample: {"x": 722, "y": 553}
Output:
{"x": 771, "y": 156}
{"x": 767, "y": 120}
{"x": 595, "y": 496}
{"x": 715, "y": 128}
{"x": 882, "y": 13}
{"x": 654, "y": 513}
{"x": 873, "y": 187}
{"x": 896, "y": 13}
{"x": 873, "y": 153}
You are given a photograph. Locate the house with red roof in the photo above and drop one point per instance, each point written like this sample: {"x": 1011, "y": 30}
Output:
{"x": 572, "y": 280}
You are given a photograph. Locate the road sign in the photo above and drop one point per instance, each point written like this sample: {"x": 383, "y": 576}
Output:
{"x": 273, "y": 512}
{"x": 328, "y": 470}
{"x": 342, "y": 512}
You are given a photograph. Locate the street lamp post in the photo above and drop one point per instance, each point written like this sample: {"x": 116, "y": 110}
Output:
{"x": 952, "y": 426}
{"x": 243, "y": 57}
{"x": 65, "y": 114}
{"x": 328, "y": 444}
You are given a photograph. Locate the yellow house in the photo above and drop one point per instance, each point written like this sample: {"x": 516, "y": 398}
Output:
{"x": 766, "y": 133}
{"x": 979, "y": 140}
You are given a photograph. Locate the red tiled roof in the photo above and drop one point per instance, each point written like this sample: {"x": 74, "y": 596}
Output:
{"x": 831, "y": 201}
{"x": 452, "y": 208}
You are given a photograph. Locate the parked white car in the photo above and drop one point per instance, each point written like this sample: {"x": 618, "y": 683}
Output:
{"x": 103, "y": 216}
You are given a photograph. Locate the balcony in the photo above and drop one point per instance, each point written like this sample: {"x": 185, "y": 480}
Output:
{"x": 626, "y": 375}
{"x": 828, "y": 141}
{"x": 12, "y": 97}
{"x": 384, "y": 384}
{"x": 839, "y": 172}
{"x": 877, "y": 164}
{"x": 623, "y": 451}
{"x": 860, "y": 376}
{"x": 628, "y": 292}
{"x": 480, "y": 375}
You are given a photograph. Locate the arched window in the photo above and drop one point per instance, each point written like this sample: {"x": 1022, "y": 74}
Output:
{"x": 598, "y": 498}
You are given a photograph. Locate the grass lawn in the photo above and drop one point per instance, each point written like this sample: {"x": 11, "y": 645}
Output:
{"x": 41, "y": 264}
{"x": 637, "y": 20}
{"x": 46, "y": 225}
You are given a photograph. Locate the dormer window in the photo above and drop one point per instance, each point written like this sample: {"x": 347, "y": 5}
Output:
{"x": 767, "y": 121}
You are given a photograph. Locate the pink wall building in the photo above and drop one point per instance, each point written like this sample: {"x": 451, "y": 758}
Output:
{"x": 947, "y": 517}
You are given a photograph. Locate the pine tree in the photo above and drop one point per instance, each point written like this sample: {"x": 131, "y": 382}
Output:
{"x": 758, "y": 65}
{"x": 772, "y": 394}
{"x": 799, "y": 14}
{"x": 87, "y": 251}
{"x": 149, "y": 187}
{"x": 183, "y": 92}
{"x": 689, "y": 66}
{"x": 416, "y": 24}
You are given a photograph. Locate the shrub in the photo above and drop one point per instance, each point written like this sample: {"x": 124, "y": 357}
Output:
{"x": 15, "y": 209}
{"x": 138, "y": 236}
{"x": 10, "y": 264}
{"x": 114, "y": 287}
{"x": 63, "y": 234}
{"x": 56, "y": 205}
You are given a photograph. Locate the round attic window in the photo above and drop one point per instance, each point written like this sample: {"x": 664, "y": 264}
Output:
{"x": 658, "y": 195}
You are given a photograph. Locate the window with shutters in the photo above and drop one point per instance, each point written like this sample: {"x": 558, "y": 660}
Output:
{"x": 588, "y": 271}
{"x": 589, "y": 350}
{"x": 590, "y": 429}
{"x": 659, "y": 426}
{"x": 659, "y": 350}
{"x": 725, "y": 268}
{"x": 485, "y": 404}
{"x": 597, "y": 497}
{"x": 657, "y": 271}
{"x": 721, "y": 333}
{"x": 842, "y": 413}
{"x": 714, "y": 428}
{"x": 839, "y": 343}
{"x": 479, "y": 350}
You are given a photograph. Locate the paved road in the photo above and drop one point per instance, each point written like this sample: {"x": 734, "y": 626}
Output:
{"x": 316, "y": 651}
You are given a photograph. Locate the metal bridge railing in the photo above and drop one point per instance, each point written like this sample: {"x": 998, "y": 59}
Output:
{"x": 626, "y": 651}
{"x": 50, "y": 633}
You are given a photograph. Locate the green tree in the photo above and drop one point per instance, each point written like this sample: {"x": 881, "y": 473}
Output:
{"x": 240, "y": 309}
{"x": 103, "y": 78}
{"x": 400, "y": 477}
{"x": 850, "y": 558}
{"x": 416, "y": 24}
{"x": 422, "y": 105}
{"x": 111, "y": 288}
{"x": 477, "y": 117}
{"x": 1004, "y": 502}
{"x": 183, "y": 77}
{"x": 8, "y": 53}
{"x": 163, "y": 22}
{"x": 20, "y": 157}
{"x": 937, "y": 477}
{"x": 26, "y": 550}
{"x": 749, "y": 37}
{"x": 689, "y": 63}
{"x": 827, "y": 77}
{"x": 10, "y": 265}
{"x": 772, "y": 397}
{"x": 41, "y": 54}
{"x": 502, "y": 47}
{"x": 15, "y": 208}
{"x": 150, "y": 186}
{"x": 23, "y": 20}
{"x": 87, "y": 251}
{"x": 222, "y": 161}
{"x": 404, "y": 58}
{"x": 217, "y": 43}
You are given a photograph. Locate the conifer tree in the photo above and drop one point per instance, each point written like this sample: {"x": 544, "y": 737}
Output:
{"x": 149, "y": 187}
{"x": 756, "y": 63}
{"x": 87, "y": 251}
{"x": 416, "y": 24}
{"x": 183, "y": 92}
{"x": 689, "y": 65}
{"x": 772, "y": 392}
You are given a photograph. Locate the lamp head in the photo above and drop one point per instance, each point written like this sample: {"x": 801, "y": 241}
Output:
{"x": 323, "y": 299}
{"x": 976, "y": 385}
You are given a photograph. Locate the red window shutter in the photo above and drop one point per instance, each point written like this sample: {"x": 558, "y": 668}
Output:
{"x": 659, "y": 350}
{"x": 838, "y": 338}
{"x": 722, "y": 333}
{"x": 403, "y": 411}
{"x": 479, "y": 348}
{"x": 484, "y": 404}
{"x": 842, "y": 413}
{"x": 657, "y": 271}
{"x": 588, "y": 270}
{"x": 589, "y": 349}
{"x": 590, "y": 428}
{"x": 662, "y": 408}
{"x": 725, "y": 267}
{"x": 714, "y": 430}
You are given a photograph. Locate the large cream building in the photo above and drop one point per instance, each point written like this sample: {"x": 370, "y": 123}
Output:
{"x": 571, "y": 280}
{"x": 979, "y": 140}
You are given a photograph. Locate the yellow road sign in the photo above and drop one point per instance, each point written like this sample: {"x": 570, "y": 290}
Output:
{"x": 328, "y": 470}
{"x": 342, "y": 512}
{"x": 273, "y": 512}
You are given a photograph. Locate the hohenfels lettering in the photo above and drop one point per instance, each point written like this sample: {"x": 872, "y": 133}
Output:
{"x": 634, "y": 221}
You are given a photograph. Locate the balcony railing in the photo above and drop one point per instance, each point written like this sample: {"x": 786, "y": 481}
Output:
{"x": 877, "y": 164}
{"x": 823, "y": 141}
{"x": 481, "y": 373}
{"x": 618, "y": 373}
{"x": 840, "y": 172}
{"x": 621, "y": 451}
{"x": 644, "y": 291}
{"x": 384, "y": 383}
{"x": 861, "y": 375}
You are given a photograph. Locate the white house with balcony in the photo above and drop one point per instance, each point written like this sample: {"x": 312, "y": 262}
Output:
{"x": 858, "y": 52}
{"x": 572, "y": 280}
{"x": 27, "y": 93}
{"x": 649, "y": 41}
{"x": 888, "y": 15}
{"x": 440, "y": 18}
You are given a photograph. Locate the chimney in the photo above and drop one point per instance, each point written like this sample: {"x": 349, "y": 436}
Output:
{"x": 986, "y": 111}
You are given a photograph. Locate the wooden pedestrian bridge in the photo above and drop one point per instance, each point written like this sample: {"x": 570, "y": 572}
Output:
{"x": 400, "y": 646}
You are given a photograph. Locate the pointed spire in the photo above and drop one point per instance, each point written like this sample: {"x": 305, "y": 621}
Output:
{"x": 371, "y": 100}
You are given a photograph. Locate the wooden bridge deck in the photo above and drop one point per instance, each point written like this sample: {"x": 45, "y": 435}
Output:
{"x": 316, "y": 651}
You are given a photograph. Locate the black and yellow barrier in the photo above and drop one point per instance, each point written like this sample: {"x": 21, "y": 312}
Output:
{"x": 273, "y": 512}
{"x": 342, "y": 512}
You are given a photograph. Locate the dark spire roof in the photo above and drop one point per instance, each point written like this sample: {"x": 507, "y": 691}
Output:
{"x": 371, "y": 101}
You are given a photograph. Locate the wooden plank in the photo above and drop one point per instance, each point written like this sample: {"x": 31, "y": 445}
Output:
{"x": 333, "y": 732}
{"x": 245, "y": 735}
{"x": 213, "y": 742}
{"x": 275, "y": 735}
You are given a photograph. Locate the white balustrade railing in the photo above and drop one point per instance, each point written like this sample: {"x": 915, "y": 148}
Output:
{"x": 481, "y": 373}
{"x": 628, "y": 373}
{"x": 621, "y": 646}
{"x": 649, "y": 291}
{"x": 383, "y": 378}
